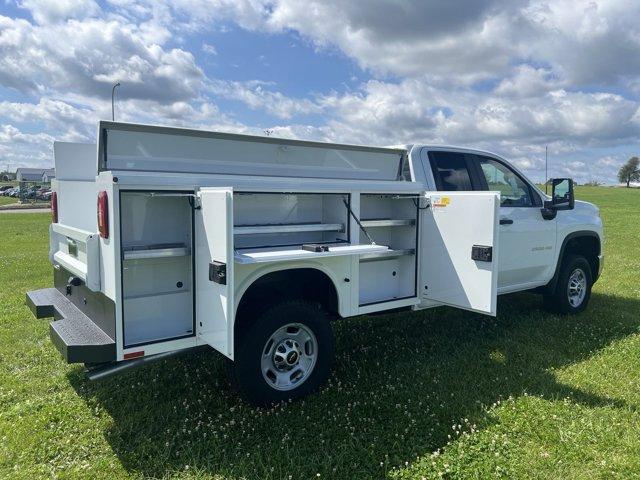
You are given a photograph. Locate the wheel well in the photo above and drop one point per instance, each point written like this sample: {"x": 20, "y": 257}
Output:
{"x": 588, "y": 246}
{"x": 307, "y": 284}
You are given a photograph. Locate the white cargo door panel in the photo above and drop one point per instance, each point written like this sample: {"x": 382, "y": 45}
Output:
{"x": 214, "y": 268}
{"x": 453, "y": 272}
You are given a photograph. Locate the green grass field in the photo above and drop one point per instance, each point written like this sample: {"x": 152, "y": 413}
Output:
{"x": 7, "y": 200}
{"x": 437, "y": 393}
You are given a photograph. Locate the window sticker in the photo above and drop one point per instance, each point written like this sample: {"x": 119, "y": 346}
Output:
{"x": 441, "y": 202}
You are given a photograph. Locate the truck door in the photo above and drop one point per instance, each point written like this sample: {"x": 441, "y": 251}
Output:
{"x": 214, "y": 268}
{"x": 459, "y": 250}
{"x": 527, "y": 241}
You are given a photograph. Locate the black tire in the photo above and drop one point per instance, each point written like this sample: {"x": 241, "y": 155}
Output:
{"x": 559, "y": 300}
{"x": 245, "y": 372}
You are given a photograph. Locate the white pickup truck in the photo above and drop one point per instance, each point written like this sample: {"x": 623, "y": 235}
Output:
{"x": 164, "y": 240}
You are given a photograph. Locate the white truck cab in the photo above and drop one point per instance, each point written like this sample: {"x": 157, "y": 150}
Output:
{"x": 164, "y": 240}
{"x": 533, "y": 238}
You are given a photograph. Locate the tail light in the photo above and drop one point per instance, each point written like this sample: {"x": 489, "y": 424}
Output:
{"x": 103, "y": 214}
{"x": 54, "y": 207}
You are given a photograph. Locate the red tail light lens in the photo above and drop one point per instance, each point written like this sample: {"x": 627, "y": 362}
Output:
{"x": 103, "y": 214}
{"x": 54, "y": 207}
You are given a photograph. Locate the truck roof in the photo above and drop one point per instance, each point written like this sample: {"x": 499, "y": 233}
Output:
{"x": 444, "y": 146}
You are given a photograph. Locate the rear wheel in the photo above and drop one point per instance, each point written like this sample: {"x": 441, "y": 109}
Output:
{"x": 573, "y": 289}
{"x": 285, "y": 353}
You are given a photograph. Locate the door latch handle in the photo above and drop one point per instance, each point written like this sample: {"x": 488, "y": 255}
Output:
{"x": 482, "y": 253}
{"x": 506, "y": 221}
{"x": 218, "y": 272}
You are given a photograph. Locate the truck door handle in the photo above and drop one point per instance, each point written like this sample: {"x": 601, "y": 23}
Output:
{"x": 506, "y": 221}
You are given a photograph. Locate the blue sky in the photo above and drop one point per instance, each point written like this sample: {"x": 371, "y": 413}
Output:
{"x": 510, "y": 76}
{"x": 284, "y": 61}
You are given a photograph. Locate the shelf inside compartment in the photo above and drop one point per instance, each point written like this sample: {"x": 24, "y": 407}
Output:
{"x": 161, "y": 276}
{"x": 288, "y": 228}
{"x": 262, "y": 255}
{"x": 155, "y": 294}
{"x": 387, "y": 222}
{"x": 156, "y": 251}
{"x": 371, "y": 257}
{"x": 390, "y": 275}
{"x": 267, "y": 219}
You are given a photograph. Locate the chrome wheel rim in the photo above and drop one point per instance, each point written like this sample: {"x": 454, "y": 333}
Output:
{"x": 577, "y": 287}
{"x": 289, "y": 356}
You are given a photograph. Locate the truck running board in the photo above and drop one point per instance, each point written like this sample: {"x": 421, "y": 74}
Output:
{"x": 78, "y": 339}
{"x": 105, "y": 370}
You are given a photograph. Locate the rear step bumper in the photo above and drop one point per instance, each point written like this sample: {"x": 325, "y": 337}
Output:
{"x": 78, "y": 339}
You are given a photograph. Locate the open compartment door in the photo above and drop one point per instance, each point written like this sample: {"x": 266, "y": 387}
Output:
{"x": 214, "y": 268}
{"x": 459, "y": 250}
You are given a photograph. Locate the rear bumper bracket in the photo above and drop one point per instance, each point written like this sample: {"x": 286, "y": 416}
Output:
{"x": 75, "y": 335}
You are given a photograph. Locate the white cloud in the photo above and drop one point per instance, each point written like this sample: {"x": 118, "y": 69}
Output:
{"x": 609, "y": 161}
{"x": 209, "y": 49}
{"x": 54, "y": 114}
{"x": 87, "y": 57}
{"x": 256, "y": 96}
{"x": 527, "y": 81}
{"x": 591, "y": 41}
{"x": 458, "y": 38}
{"x": 52, "y": 11}
{"x": 506, "y": 75}
{"x": 193, "y": 15}
{"x": 415, "y": 110}
{"x": 24, "y": 149}
{"x": 10, "y": 134}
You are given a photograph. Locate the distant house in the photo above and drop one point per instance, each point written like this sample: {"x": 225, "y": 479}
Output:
{"x": 48, "y": 175}
{"x": 35, "y": 174}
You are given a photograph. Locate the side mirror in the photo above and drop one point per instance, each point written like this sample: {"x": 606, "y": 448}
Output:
{"x": 562, "y": 194}
{"x": 561, "y": 198}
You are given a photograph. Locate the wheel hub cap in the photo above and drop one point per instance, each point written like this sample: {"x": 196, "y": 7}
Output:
{"x": 289, "y": 356}
{"x": 577, "y": 287}
{"x": 286, "y": 355}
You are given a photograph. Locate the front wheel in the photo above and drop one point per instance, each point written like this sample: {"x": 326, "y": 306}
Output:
{"x": 285, "y": 353}
{"x": 573, "y": 290}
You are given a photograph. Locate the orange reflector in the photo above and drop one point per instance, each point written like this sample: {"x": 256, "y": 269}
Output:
{"x": 103, "y": 214}
{"x": 54, "y": 207}
{"x": 130, "y": 355}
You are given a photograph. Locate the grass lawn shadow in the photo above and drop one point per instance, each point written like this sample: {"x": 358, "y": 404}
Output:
{"x": 400, "y": 383}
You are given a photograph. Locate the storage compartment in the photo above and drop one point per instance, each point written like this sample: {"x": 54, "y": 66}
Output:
{"x": 157, "y": 267}
{"x": 390, "y": 220}
{"x": 163, "y": 149}
{"x": 287, "y": 219}
{"x": 157, "y": 317}
{"x": 385, "y": 279}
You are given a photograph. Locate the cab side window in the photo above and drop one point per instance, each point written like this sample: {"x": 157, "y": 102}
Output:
{"x": 514, "y": 192}
{"x": 452, "y": 171}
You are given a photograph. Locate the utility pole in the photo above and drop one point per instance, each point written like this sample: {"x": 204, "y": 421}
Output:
{"x": 546, "y": 169}
{"x": 113, "y": 94}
